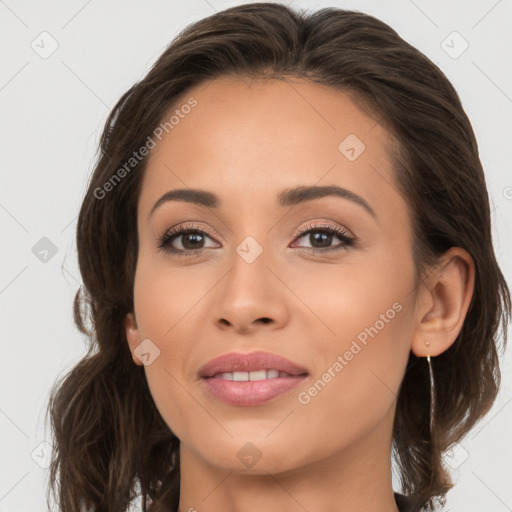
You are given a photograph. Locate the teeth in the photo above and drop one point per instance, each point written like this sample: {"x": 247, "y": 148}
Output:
{"x": 252, "y": 376}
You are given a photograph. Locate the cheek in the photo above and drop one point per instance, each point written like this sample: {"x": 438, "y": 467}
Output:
{"x": 164, "y": 296}
{"x": 342, "y": 301}
{"x": 170, "y": 311}
{"x": 359, "y": 370}
{"x": 362, "y": 327}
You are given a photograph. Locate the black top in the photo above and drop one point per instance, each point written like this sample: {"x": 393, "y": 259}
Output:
{"x": 400, "y": 501}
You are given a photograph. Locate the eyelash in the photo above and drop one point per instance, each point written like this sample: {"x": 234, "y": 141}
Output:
{"x": 347, "y": 240}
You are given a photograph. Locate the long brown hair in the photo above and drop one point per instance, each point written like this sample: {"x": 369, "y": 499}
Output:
{"x": 111, "y": 444}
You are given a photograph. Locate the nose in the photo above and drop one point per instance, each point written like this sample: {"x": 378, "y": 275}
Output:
{"x": 250, "y": 297}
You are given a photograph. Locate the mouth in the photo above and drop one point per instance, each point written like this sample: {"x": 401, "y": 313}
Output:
{"x": 253, "y": 363}
{"x": 251, "y": 379}
{"x": 245, "y": 393}
{"x": 252, "y": 376}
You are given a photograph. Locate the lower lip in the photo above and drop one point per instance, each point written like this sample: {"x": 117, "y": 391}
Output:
{"x": 251, "y": 392}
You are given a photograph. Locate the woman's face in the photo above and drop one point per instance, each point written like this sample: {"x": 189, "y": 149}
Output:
{"x": 337, "y": 300}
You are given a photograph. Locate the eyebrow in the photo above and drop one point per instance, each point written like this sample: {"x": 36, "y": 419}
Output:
{"x": 289, "y": 197}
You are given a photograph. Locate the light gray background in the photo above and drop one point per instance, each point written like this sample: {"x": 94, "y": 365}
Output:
{"x": 53, "y": 111}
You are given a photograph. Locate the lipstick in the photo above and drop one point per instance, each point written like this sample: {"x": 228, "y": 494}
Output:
{"x": 250, "y": 379}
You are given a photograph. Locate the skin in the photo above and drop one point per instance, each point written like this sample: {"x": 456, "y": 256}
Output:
{"x": 247, "y": 141}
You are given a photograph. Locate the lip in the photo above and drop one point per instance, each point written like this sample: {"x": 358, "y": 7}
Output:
{"x": 250, "y": 393}
{"x": 251, "y": 362}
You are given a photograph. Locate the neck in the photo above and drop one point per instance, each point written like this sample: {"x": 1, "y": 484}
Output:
{"x": 357, "y": 477}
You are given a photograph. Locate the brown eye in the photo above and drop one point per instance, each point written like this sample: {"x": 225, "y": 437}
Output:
{"x": 191, "y": 240}
{"x": 322, "y": 237}
{"x": 319, "y": 239}
{"x": 184, "y": 241}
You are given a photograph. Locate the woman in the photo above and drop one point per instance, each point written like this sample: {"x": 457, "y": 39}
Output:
{"x": 288, "y": 268}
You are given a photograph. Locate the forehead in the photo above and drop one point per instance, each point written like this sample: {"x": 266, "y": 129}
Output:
{"x": 254, "y": 138}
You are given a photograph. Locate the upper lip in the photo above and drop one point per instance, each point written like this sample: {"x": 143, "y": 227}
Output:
{"x": 251, "y": 362}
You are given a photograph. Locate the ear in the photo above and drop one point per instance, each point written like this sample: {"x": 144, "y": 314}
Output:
{"x": 443, "y": 303}
{"x": 132, "y": 336}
